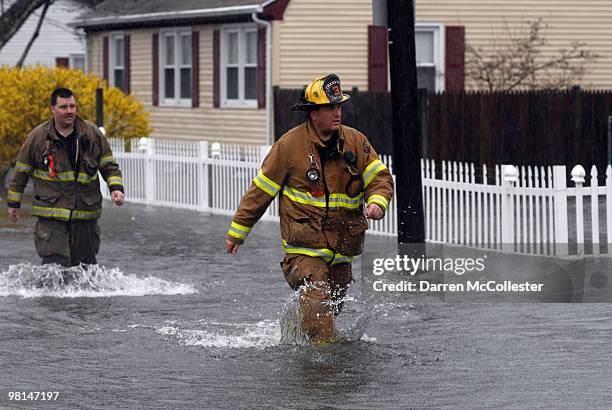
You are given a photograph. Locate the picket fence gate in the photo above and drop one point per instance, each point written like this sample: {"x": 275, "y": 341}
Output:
{"x": 527, "y": 210}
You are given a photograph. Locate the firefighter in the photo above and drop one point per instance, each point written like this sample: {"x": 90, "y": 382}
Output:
{"x": 329, "y": 180}
{"x": 63, "y": 156}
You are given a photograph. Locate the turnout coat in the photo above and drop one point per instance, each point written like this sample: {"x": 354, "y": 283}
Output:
{"x": 321, "y": 218}
{"x": 61, "y": 192}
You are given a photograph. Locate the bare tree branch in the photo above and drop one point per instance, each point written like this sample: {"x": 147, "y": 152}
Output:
{"x": 34, "y": 36}
{"x": 15, "y": 16}
{"x": 521, "y": 64}
{"x": 19, "y": 11}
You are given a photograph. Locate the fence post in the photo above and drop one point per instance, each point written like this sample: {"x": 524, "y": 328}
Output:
{"x": 578, "y": 174}
{"x": 560, "y": 220}
{"x": 509, "y": 178}
{"x": 150, "y": 173}
{"x": 203, "y": 182}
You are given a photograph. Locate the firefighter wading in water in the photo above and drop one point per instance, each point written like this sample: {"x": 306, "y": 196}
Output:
{"x": 325, "y": 173}
{"x": 64, "y": 155}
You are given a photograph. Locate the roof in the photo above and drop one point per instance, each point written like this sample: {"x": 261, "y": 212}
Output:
{"x": 130, "y": 12}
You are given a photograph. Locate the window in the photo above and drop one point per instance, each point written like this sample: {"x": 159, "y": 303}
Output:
{"x": 175, "y": 67}
{"x": 430, "y": 56}
{"x": 117, "y": 61}
{"x": 77, "y": 61}
{"x": 239, "y": 66}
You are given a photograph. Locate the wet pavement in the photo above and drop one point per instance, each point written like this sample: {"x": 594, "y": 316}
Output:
{"x": 169, "y": 320}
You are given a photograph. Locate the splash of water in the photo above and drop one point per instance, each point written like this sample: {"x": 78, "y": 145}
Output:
{"x": 227, "y": 335}
{"x": 31, "y": 281}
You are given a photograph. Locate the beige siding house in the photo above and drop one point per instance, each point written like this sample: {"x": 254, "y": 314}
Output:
{"x": 487, "y": 23}
{"x": 200, "y": 66}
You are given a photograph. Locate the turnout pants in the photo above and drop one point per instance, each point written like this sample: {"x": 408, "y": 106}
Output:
{"x": 67, "y": 243}
{"x": 322, "y": 287}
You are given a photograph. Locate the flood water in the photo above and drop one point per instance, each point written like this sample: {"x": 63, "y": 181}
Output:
{"x": 169, "y": 320}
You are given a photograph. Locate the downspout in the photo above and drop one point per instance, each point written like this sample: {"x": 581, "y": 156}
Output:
{"x": 268, "y": 26}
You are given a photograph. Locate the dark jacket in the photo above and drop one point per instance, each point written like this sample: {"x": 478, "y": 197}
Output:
{"x": 64, "y": 194}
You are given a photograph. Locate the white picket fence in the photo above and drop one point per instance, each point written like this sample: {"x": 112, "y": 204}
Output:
{"x": 527, "y": 210}
{"x": 524, "y": 210}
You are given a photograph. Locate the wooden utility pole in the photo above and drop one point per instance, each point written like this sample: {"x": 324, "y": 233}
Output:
{"x": 406, "y": 127}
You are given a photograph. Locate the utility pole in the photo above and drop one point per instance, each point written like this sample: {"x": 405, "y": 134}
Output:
{"x": 406, "y": 128}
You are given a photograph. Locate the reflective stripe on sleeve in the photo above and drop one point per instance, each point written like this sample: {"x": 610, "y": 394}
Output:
{"x": 378, "y": 199}
{"x": 14, "y": 196}
{"x": 24, "y": 168}
{"x": 371, "y": 171}
{"x": 266, "y": 184}
{"x": 239, "y": 231}
{"x": 114, "y": 181}
{"x": 107, "y": 159}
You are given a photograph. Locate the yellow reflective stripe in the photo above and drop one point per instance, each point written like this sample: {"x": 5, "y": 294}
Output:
{"x": 115, "y": 180}
{"x": 107, "y": 159}
{"x": 239, "y": 231}
{"x": 60, "y": 176}
{"x": 85, "y": 178}
{"x": 378, "y": 199}
{"x": 326, "y": 254}
{"x": 303, "y": 197}
{"x": 25, "y": 168}
{"x": 65, "y": 214}
{"x": 266, "y": 184}
{"x": 57, "y": 213}
{"x": 86, "y": 215}
{"x": 68, "y": 176}
{"x": 14, "y": 196}
{"x": 268, "y": 181}
{"x": 345, "y": 201}
{"x": 335, "y": 200}
{"x": 371, "y": 171}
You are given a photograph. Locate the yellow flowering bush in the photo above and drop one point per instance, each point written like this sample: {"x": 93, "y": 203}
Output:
{"x": 24, "y": 103}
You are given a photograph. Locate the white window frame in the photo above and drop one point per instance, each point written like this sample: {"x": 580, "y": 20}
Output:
{"x": 438, "y": 51}
{"x": 177, "y": 101}
{"x": 241, "y": 29}
{"x": 73, "y": 57}
{"x": 112, "y": 63}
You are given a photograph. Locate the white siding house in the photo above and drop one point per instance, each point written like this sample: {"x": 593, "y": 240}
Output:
{"x": 56, "y": 44}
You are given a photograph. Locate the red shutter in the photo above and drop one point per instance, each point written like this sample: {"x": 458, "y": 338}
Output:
{"x": 62, "y": 62}
{"x": 105, "y": 58}
{"x": 155, "y": 65}
{"x": 126, "y": 67}
{"x": 261, "y": 68}
{"x": 378, "y": 45}
{"x": 455, "y": 58}
{"x": 216, "y": 76}
{"x": 195, "y": 69}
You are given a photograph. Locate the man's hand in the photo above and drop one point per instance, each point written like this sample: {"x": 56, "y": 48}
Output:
{"x": 231, "y": 247}
{"x": 374, "y": 211}
{"x": 117, "y": 197}
{"x": 13, "y": 214}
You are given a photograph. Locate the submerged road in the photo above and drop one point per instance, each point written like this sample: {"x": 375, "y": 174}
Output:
{"x": 170, "y": 320}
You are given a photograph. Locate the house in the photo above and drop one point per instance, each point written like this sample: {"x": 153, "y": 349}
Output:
{"x": 57, "y": 43}
{"x": 201, "y": 67}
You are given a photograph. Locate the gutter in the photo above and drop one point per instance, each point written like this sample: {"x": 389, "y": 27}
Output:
{"x": 167, "y": 15}
{"x": 268, "y": 27}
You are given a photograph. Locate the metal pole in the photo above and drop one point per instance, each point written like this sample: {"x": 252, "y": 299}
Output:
{"x": 406, "y": 128}
{"x": 99, "y": 107}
